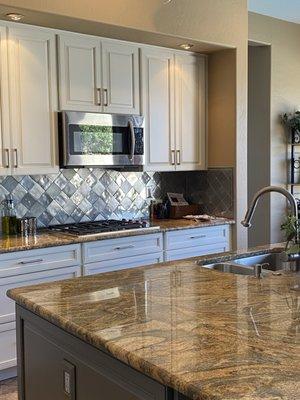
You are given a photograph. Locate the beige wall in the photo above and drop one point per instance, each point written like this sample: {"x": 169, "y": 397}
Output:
{"x": 284, "y": 38}
{"x": 223, "y": 22}
{"x": 259, "y": 102}
{"x": 221, "y": 108}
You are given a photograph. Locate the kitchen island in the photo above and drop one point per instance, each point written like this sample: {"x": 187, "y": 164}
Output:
{"x": 170, "y": 331}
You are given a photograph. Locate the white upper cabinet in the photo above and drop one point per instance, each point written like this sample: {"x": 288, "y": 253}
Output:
{"x": 79, "y": 72}
{"x": 98, "y": 76}
{"x": 121, "y": 92}
{"x": 174, "y": 105}
{"x": 158, "y": 108}
{"x": 33, "y": 100}
{"x": 190, "y": 81}
{"x": 4, "y": 96}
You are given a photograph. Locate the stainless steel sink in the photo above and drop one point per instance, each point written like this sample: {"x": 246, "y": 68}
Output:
{"x": 247, "y": 265}
{"x": 231, "y": 268}
{"x": 271, "y": 261}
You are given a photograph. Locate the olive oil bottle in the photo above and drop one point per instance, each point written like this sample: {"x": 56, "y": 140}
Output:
{"x": 9, "y": 219}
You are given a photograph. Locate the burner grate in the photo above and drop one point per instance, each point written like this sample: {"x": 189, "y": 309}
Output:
{"x": 105, "y": 226}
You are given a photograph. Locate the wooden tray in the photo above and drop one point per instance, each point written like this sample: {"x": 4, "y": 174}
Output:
{"x": 177, "y": 212}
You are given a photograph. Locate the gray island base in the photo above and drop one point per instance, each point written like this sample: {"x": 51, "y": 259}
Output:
{"x": 55, "y": 365}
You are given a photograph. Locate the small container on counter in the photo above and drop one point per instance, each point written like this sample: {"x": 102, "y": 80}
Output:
{"x": 32, "y": 226}
{"x": 23, "y": 227}
{"x": 9, "y": 218}
{"x": 27, "y": 226}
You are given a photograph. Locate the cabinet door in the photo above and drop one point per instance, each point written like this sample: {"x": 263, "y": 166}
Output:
{"x": 120, "y": 78}
{"x": 190, "y": 78}
{"x": 180, "y": 254}
{"x": 7, "y": 328}
{"x": 122, "y": 263}
{"x": 7, "y": 309}
{"x": 158, "y": 108}
{"x": 5, "y": 166}
{"x": 33, "y": 95}
{"x": 79, "y": 73}
{"x": 8, "y": 357}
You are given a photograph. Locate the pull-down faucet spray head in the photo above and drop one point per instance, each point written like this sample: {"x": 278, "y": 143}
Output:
{"x": 268, "y": 189}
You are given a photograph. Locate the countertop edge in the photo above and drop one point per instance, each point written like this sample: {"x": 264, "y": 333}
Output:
{"x": 64, "y": 239}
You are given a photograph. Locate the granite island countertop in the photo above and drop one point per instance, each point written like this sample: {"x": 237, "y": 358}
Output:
{"x": 47, "y": 238}
{"x": 209, "y": 335}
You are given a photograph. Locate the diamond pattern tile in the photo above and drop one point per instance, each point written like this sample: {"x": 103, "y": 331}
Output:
{"x": 76, "y": 195}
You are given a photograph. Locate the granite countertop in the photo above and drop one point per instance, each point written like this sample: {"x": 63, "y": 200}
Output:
{"x": 47, "y": 238}
{"x": 209, "y": 335}
{"x": 177, "y": 224}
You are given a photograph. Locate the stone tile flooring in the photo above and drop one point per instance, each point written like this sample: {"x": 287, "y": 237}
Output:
{"x": 8, "y": 390}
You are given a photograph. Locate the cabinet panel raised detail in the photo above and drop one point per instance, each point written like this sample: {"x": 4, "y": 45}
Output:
{"x": 158, "y": 108}
{"x": 120, "y": 78}
{"x": 79, "y": 73}
{"x": 33, "y": 92}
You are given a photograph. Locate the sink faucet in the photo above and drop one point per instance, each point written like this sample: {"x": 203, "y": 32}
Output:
{"x": 268, "y": 189}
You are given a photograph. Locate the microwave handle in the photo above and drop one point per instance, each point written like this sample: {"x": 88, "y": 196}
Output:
{"x": 132, "y": 136}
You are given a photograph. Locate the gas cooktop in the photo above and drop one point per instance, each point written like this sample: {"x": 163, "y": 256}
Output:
{"x": 101, "y": 227}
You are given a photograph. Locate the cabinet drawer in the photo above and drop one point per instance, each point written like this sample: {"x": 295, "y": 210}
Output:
{"x": 179, "y": 254}
{"x": 8, "y": 356}
{"x": 25, "y": 262}
{"x": 7, "y": 306}
{"x": 122, "y": 247}
{"x": 122, "y": 263}
{"x": 187, "y": 238}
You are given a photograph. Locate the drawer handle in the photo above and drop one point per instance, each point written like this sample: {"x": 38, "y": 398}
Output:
{"x": 198, "y": 237}
{"x": 31, "y": 262}
{"x": 105, "y": 97}
{"x": 7, "y": 164}
{"x": 98, "y": 96}
{"x": 124, "y": 247}
{"x": 16, "y": 158}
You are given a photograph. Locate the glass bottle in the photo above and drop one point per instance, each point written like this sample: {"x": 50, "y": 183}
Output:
{"x": 9, "y": 218}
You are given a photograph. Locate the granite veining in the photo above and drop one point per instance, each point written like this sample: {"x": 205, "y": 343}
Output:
{"x": 177, "y": 224}
{"x": 207, "y": 334}
{"x": 8, "y": 389}
{"x": 47, "y": 238}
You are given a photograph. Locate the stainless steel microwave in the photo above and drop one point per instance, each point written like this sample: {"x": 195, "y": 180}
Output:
{"x": 100, "y": 140}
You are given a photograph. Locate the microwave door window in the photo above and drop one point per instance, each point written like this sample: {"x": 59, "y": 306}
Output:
{"x": 88, "y": 139}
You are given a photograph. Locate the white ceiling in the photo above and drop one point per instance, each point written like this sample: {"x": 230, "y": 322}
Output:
{"x": 288, "y": 10}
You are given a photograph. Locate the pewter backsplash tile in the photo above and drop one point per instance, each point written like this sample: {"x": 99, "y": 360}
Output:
{"x": 76, "y": 195}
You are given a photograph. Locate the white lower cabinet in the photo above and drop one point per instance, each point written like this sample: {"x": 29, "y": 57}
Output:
{"x": 29, "y": 268}
{"x": 196, "y": 242}
{"x": 122, "y": 263}
{"x": 7, "y": 346}
{"x": 121, "y": 253}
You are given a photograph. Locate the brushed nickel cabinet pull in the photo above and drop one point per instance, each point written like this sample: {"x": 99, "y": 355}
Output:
{"x": 31, "y": 261}
{"x": 16, "y": 158}
{"x": 105, "y": 91}
{"x": 198, "y": 237}
{"x": 173, "y": 157}
{"x": 98, "y": 91}
{"x": 7, "y": 164}
{"x": 124, "y": 247}
{"x": 178, "y": 157}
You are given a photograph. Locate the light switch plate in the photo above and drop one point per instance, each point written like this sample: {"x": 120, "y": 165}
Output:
{"x": 69, "y": 380}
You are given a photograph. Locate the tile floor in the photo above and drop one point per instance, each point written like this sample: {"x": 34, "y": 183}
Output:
{"x": 8, "y": 390}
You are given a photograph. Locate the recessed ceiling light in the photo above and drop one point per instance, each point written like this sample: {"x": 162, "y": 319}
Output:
{"x": 186, "y": 46}
{"x": 167, "y": 1}
{"x": 15, "y": 16}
